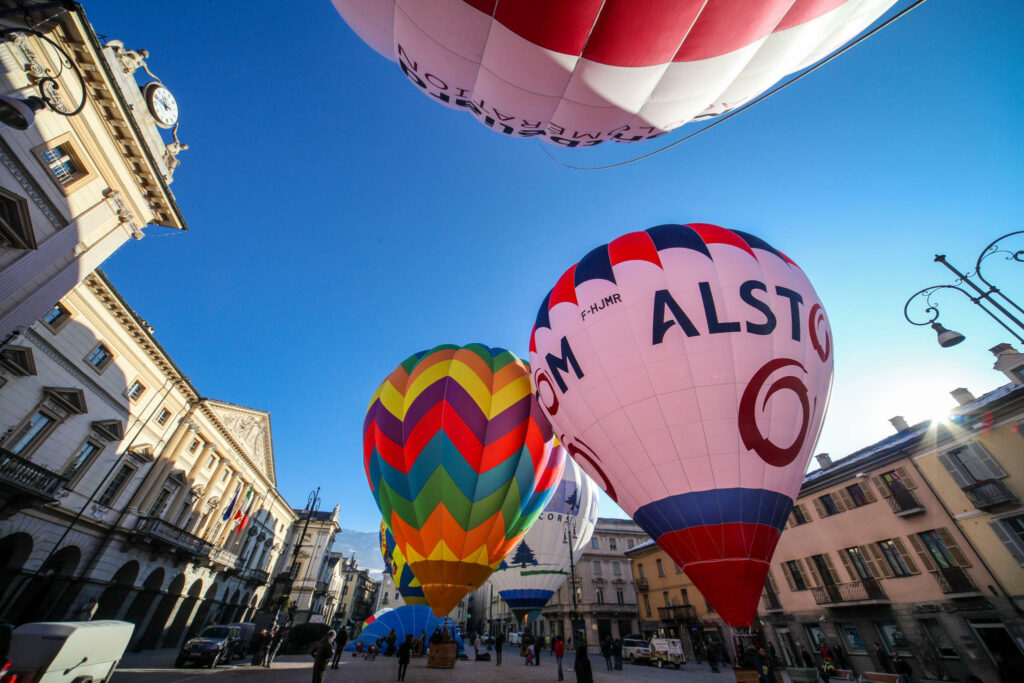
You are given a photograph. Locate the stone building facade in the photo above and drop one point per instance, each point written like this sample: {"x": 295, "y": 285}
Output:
{"x": 606, "y": 597}
{"x": 311, "y": 573}
{"x": 93, "y": 168}
{"x": 887, "y": 547}
{"x": 124, "y": 492}
{"x": 358, "y": 594}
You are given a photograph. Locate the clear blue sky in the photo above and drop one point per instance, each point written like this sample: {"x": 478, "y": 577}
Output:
{"x": 341, "y": 220}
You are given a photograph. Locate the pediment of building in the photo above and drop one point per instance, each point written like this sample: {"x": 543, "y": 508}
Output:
{"x": 251, "y": 429}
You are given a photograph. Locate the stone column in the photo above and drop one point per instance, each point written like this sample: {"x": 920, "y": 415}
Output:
{"x": 210, "y": 485}
{"x": 150, "y": 487}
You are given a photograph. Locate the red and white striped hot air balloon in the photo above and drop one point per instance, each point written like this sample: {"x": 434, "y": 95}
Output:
{"x": 687, "y": 369}
{"x": 579, "y": 72}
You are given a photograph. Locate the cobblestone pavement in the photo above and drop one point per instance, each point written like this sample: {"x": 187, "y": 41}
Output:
{"x": 157, "y": 667}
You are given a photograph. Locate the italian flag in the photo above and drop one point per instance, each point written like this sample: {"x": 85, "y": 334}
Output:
{"x": 244, "y": 516}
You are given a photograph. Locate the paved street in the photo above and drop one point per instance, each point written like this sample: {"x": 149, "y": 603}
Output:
{"x": 157, "y": 667}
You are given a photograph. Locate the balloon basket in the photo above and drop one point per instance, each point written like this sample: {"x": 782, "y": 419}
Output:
{"x": 442, "y": 655}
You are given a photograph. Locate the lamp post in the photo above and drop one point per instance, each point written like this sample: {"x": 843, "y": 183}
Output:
{"x": 569, "y": 535}
{"x": 312, "y": 505}
{"x": 20, "y": 113}
{"x": 979, "y": 291}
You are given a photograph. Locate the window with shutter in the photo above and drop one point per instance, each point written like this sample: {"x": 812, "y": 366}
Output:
{"x": 850, "y": 570}
{"x": 971, "y": 463}
{"x": 831, "y": 568}
{"x": 890, "y": 558}
{"x": 882, "y": 487}
{"x": 812, "y": 571}
{"x": 853, "y": 558}
{"x": 1010, "y": 532}
{"x": 959, "y": 557}
{"x": 820, "y": 509}
{"x": 847, "y": 500}
{"x": 873, "y": 555}
{"x": 907, "y": 559}
{"x": 905, "y": 477}
{"x": 922, "y": 552}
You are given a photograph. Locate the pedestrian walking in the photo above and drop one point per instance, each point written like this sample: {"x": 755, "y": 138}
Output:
{"x": 807, "y": 658}
{"x": 763, "y": 665}
{"x": 391, "y": 642}
{"x": 259, "y": 647}
{"x": 584, "y": 674}
{"x": 339, "y": 647}
{"x": 827, "y": 671}
{"x": 276, "y": 638}
{"x": 322, "y": 654}
{"x": 606, "y": 652}
{"x": 558, "y": 647}
{"x": 901, "y": 667}
{"x": 712, "y": 654}
{"x": 499, "y": 640}
{"x": 617, "y": 653}
{"x": 538, "y": 646}
{"x": 404, "y": 651}
{"x": 883, "y": 658}
{"x": 476, "y": 647}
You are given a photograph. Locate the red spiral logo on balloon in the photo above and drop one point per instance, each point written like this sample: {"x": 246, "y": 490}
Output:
{"x": 540, "y": 378}
{"x": 750, "y": 433}
{"x": 814, "y": 320}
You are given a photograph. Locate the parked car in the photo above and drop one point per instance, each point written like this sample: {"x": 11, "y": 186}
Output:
{"x": 666, "y": 652}
{"x": 248, "y": 630}
{"x": 634, "y": 649}
{"x": 68, "y": 651}
{"x": 215, "y": 645}
{"x": 514, "y": 637}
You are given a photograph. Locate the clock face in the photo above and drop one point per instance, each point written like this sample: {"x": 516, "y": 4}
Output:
{"x": 162, "y": 105}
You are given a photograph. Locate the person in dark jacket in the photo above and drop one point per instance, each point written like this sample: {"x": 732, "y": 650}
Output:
{"x": 712, "y": 654}
{"x": 392, "y": 642}
{"x": 902, "y": 667}
{"x": 806, "y": 657}
{"x": 883, "y": 658}
{"x": 584, "y": 674}
{"x": 538, "y": 645}
{"x": 339, "y": 646}
{"x": 606, "y": 652}
{"x": 404, "y": 651}
{"x": 322, "y": 654}
{"x": 276, "y": 638}
{"x": 763, "y": 666}
{"x": 617, "y": 653}
{"x": 499, "y": 640}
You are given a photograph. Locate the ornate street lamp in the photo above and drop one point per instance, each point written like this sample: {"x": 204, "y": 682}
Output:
{"x": 312, "y": 505}
{"x": 569, "y": 535}
{"x": 980, "y": 292}
{"x": 20, "y": 113}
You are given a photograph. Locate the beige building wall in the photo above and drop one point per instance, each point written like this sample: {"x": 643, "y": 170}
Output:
{"x": 116, "y": 476}
{"x": 76, "y": 187}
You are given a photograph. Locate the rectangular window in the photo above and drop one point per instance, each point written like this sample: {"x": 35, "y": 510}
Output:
{"x": 851, "y": 637}
{"x": 798, "y": 515}
{"x": 163, "y": 417}
{"x": 647, "y": 605}
{"x": 829, "y": 505}
{"x": 616, "y": 569}
{"x": 679, "y": 570}
{"x": 31, "y": 433}
{"x": 224, "y": 477}
{"x": 159, "y": 503}
{"x": 971, "y": 464}
{"x": 135, "y": 391}
{"x": 664, "y": 598}
{"x": 83, "y": 456}
{"x": 63, "y": 162}
{"x": 116, "y": 484}
{"x": 600, "y": 596}
{"x": 597, "y": 567}
{"x": 686, "y": 596}
{"x": 892, "y": 638}
{"x": 815, "y": 635}
{"x": 937, "y": 549}
{"x": 620, "y": 597}
{"x": 1015, "y": 525}
{"x": 612, "y": 544}
{"x": 56, "y": 317}
{"x": 894, "y": 558}
{"x": 640, "y": 569}
{"x": 661, "y": 570}
{"x": 593, "y": 543}
{"x": 629, "y": 543}
{"x": 940, "y": 638}
{"x": 211, "y": 462}
{"x": 858, "y": 563}
{"x": 857, "y": 495}
{"x": 100, "y": 357}
{"x": 194, "y": 446}
{"x": 793, "y": 568}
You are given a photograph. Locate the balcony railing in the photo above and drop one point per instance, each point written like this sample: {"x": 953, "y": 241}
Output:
{"x": 257, "y": 576}
{"x": 28, "y": 477}
{"x": 641, "y": 584}
{"x": 224, "y": 558}
{"x": 158, "y": 530}
{"x": 905, "y": 503}
{"x": 322, "y": 586}
{"x": 954, "y": 580}
{"x": 989, "y": 494}
{"x": 865, "y": 590}
{"x": 677, "y": 613}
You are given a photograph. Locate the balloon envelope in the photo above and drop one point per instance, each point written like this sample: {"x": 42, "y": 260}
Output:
{"x": 401, "y": 572}
{"x": 577, "y": 73}
{"x": 687, "y": 369}
{"x": 459, "y": 460}
{"x": 407, "y": 619}
{"x": 537, "y": 565}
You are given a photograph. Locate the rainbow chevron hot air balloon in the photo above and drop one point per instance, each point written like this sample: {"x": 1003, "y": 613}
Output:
{"x": 459, "y": 459}
{"x": 394, "y": 561}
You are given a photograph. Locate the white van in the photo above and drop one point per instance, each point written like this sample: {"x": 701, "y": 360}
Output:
{"x": 68, "y": 651}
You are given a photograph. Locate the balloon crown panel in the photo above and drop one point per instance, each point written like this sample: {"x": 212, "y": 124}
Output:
{"x": 687, "y": 368}
{"x": 459, "y": 460}
{"x": 576, "y": 74}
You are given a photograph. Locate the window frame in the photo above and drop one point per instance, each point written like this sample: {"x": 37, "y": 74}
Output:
{"x": 75, "y": 476}
{"x": 659, "y": 565}
{"x": 85, "y": 173}
{"x": 20, "y": 236}
{"x": 105, "y": 363}
{"x": 58, "y": 324}
{"x": 32, "y": 444}
{"x": 828, "y": 504}
{"x": 142, "y": 390}
{"x": 163, "y": 417}
{"x": 798, "y": 576}
{"x": 116, "y": 488}
{"x": 892, "y": 551}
